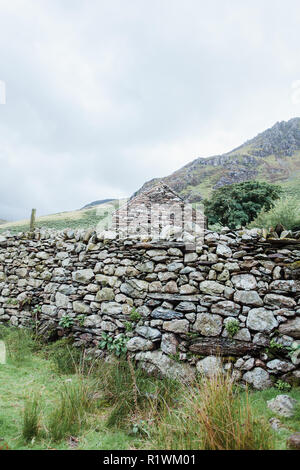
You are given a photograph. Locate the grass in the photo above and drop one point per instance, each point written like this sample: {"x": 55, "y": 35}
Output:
{"x": 111, "y": 405}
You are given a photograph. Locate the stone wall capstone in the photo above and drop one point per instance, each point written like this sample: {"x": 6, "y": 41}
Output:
{"x": 232, "y": 303}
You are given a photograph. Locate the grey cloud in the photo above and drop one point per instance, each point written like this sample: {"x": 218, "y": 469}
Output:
{"x": 102, "y": 96}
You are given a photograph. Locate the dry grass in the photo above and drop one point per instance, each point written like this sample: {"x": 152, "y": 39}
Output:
{"x": 213, "y": 417}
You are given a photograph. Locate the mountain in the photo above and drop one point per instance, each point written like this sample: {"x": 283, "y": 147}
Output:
{"x": 97, "y": 203}
{"x": 2, "y": 221}
{"x": 273, "y": 155}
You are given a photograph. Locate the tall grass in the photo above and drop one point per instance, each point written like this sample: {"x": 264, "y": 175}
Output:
{"x": 132, "y": 393}
{"x": 19, "y": 342}
{"x": 70, "y": 413}
{"x": 212, "y": 417}
{"x": 31, "y": 414}
{"x": 286, "y": 211}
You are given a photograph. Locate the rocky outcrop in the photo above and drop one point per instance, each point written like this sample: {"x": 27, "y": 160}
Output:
{"x": 228, "y": 302}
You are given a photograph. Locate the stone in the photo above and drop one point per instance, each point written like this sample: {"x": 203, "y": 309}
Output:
{"x": 139, "y": 344}
{"x": 157, "y": 361}
{"x": 147, "y": 267}
{"x": 224, "y": 250}
{"x": 83, "y": 276}
{"x": 293, "y": 441}
{"x": 80, "y": 307}
{"x": 111, "y": 308}
{"x": 169, "y": 343}
{"x": 279, "y": 300}
{"x": 186, "y": 307}
{"x": 210, "y": 366}
{"x": 208, "y": 324}
{"x": 50, "y": 310}
{"x": 258, "y": 378}
{"x": 190, "y": 257}
{"x": 166, "y": 314}
{"x": 149, "y": 333}
{"x": 171, "y": 287}
{"x": 248, "y": 297}
{"x": 211, "y": 287}
{"x": 106, "y": 293}
{"x": 280, "y": 366}
{"x": 176, "y": 326}
{"x": 61, "y": 300}
{"x": 135, "y": 288}
{"x": 260, "y": 319}
{"x": 284, "y": 286}
{"x": 226, "y": 308}
{"x": 244, "y": 281}
{"x": 93, "y": 321}
{"x": 283, "y": 405}
{"x": 291, "y": 328}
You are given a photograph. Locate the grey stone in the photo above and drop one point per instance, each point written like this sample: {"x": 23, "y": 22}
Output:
{"x": 149, "y": 333}
{"x": 208, "y": 324}
{"x": 83, "y": 276}
{"x": 258, "y": 378}
{"x": 139, "y": 344}
{"x": 249, "y": 297}
{"x": 226, "y": 308}
{"x": 211, "y": 287}
{"x": 176, "y": 326}
{"x": 283, "y": 405}
{"x": 279, "y": 300}
{"x": 244, "y": 281}
{"x": 210, "y": 366}
{"x": 166, "y": 314}
{"x": 260, "y": 319}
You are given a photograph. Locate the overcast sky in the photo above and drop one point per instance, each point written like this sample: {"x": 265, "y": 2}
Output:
{"x": 103, "y": 95}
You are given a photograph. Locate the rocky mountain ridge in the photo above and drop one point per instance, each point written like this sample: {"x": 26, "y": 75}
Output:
{"x": 273, "y": 155}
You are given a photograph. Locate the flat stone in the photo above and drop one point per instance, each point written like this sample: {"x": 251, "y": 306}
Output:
{"x": 177, "y": 326}
{"x": 291, "y": 328}
{"x": 224, "y": 250}
{"x": 293, "y": 441}
{"x": 226, "y": 308}
{"x": 279, "y": 300}
{"x": 111, "y": 308}
{"x": 169, "y": 343}
{"x": 166, "y": 314}
{"x": 149, "y": 333}
{"x": 280, "y": 366}
{"x": 106, "y": 293}
{"x": 80, "y": 307}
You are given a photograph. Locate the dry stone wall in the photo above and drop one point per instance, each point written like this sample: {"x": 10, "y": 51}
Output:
{"x": 232, "y": 303}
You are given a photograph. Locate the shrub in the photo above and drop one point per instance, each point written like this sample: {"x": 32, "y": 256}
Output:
{"x": 232, "y": 327}
{"x": 30, "y": 426}
{"x": 212, "y": 417}
{"x": 286, "y": 211}
{"x": 238, "y": 204}
{"x": 66, "y": 321}
{"x": 115, "y": 345}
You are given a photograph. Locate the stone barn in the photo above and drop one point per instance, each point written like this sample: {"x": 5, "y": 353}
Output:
{"x": 159, "y": 213}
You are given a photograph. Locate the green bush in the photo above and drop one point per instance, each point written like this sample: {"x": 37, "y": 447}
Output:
{"x": 286, "y": 211}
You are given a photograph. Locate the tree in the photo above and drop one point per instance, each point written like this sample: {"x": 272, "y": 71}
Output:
{"x": 238, "y": 204}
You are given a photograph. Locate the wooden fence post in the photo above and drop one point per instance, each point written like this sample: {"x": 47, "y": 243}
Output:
{"x": 32, "y": 220}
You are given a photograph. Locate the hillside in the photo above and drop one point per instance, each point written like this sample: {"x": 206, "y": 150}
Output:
{"x": 273, "y": 155}
{"x": 82, "y": 218}
{"x": 2, "y": 221}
